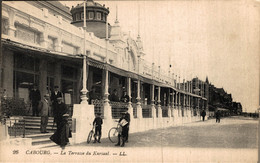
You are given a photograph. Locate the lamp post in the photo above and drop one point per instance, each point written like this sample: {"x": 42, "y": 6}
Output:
{"x": 84, "y": 91}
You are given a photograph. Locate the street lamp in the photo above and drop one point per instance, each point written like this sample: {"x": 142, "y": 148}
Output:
{"x": 84, "y": 91}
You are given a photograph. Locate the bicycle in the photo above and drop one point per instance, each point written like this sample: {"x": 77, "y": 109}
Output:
{"x": 113, "y": 133}
{"x": 90, "y": 135}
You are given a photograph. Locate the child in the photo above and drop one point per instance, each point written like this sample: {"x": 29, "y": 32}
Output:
{"x": 97, "y": 122}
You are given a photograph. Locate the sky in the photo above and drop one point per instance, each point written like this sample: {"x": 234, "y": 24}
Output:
{"x": 218, "y": 39}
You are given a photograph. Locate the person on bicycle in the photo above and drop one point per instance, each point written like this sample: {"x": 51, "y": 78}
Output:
{"x": 123, "y": 122}
{"x": 97, "y": 123}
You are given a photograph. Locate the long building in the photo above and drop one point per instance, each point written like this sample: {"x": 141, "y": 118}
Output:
{"x": 45, "y": 45}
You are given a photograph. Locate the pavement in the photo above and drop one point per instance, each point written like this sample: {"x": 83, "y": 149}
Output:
{"x": 234, "y": 139}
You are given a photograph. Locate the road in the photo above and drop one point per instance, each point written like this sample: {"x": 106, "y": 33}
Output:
{"x": 232, "y": 140}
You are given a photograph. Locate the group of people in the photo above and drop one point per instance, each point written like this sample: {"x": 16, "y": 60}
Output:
{"x": 51, "y": 105}
{"x": 123, "y": 122}
{"x": 217, "y": 115}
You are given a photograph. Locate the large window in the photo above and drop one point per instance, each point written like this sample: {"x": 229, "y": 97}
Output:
{"x": 98, "y": 16}
{"x": 26, "y": 73}
{"x": 91, "y": 15}
{"x": 5, "y": 26}
{"x": 77, "y": 17}
{"x": 27, "y": 34}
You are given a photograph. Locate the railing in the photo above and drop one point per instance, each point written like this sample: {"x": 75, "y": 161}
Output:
{"x": 146, "y": 111}
{"x": 16, "y": 127}
{"x": 98, "y": 107}
{"x": 118, "y": 108}
{"x": 164, "y": 111}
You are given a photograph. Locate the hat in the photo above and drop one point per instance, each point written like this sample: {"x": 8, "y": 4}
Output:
{"x": 59, "y": 98}
{"x": 46, "y": 95}
{"x": 66, "y": 115}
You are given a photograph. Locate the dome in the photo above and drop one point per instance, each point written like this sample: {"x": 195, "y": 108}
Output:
{"x": 96, "y": 16}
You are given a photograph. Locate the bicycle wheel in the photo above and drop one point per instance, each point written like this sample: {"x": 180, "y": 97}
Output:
{"x": 113, "y": 135}
{"x": 90, "y": 136}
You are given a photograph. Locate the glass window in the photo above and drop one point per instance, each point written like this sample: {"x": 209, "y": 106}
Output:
{"x": 5, "y": 26}
{"x": 91, "y": 15}
{"x": 98, "y": 16}
{"x": 77, "y": 17}
{"x": 69, "y": 72}
{"x": 27, "y": 34}
{"x": 51, "y": 43}
{"x": 26, "y": 63}
{"x": 82, "y": 16}
{"x": 23, "y": 83}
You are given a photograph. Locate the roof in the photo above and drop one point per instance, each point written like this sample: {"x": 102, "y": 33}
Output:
{"x": 60, "y": 6}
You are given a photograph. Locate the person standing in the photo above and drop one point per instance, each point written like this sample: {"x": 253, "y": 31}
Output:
{"x": 92, "y": 95}
{"x": 98, "y": 127}
{"x": 203, "y": 114}
{"x": 123, "y": 125}
{"x": 44, "y": 107}
{"x": 218, "y": 114}
{"x": 62, "y": 133}
{"x": 60, "y": 110}
{"x": 127, "y": 117}
{"x": 54, "y": 95}
{"x": 125, "y": 97}
{"x": 35, "y": 97}
{"x": 114, "y": 97}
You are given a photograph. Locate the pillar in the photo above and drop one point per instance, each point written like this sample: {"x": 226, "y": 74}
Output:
{"x": 43, "y": 77}
{"x": 152, "y": 102}
{"x": 130, "y": 108}
{"x": 159, "y": 103}
{"x": 57, "y": 73}
{"x": 138, "y": 104}
{"x": 8, "y": 71}
{"x": 106, "y": 106}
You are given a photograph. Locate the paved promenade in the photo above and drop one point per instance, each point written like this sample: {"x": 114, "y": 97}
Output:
{"x": 232, "y": 140}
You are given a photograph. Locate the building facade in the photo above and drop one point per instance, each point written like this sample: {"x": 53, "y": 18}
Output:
{"x": 44, "y": 46}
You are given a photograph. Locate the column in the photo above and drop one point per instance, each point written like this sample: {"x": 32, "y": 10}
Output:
{"x": 138, "y": 104}
{"x": 172, "y": 104}
{"x": 8, "y": 72}
{"x": 106, "y": 106}
{"x": 11, "y": 29}
{"x": 43, "y": 77}
{"x": 130, "y": 108}
{"x": 57, "y": 72}
{"x": 169, "y": 102}
{"x": 159, "y": 103}
{"x": 152, "y": 102}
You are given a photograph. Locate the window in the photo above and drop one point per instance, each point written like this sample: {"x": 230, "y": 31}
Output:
{"x": 51, "y": 43}
{"x": 91, "y": 15}
{"x": 82, "y": 16}
{"x": 77, "y": 17}
{"x": 69, "y": 72}
{"x": 98, "y": 16}
{"x": 4, "y": 26}
{"x": 27, "y": 34}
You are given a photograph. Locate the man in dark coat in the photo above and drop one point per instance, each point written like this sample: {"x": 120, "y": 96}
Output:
{"x": 59, "y": 111}
{"x": 125, "y": 97}
{"x": 124, "y": 124}
{"x": 218, "y": 114}
{"x": 63, "y": 133}
{"x": 203, "y": 114}
{"x": 98, "y": 127}
{"x": 54, "y": 95}
{"x": 114, "y": 97}
{"x": 35, "y": 97}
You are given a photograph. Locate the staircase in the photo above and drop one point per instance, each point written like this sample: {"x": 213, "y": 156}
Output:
{"x": 32, "y": 130}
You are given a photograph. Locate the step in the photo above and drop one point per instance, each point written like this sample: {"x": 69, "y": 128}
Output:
{"x": 41, "y": 141}
{"x": 49, "y": 146}
{"x": 35, "y": 136}
{"x": 38, "y": 128}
